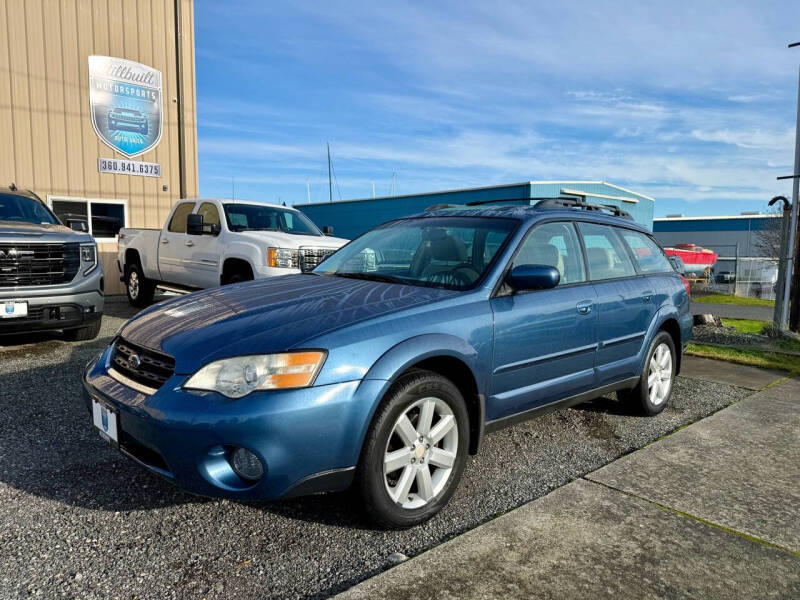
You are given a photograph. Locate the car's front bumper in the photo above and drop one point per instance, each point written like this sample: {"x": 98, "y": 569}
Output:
{"x": 56, "y": 307}
{"x": 308, "y": 440}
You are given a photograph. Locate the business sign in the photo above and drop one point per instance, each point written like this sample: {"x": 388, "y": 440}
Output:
{"x": 120, "y": 166}
{"x": 125, "y": 104}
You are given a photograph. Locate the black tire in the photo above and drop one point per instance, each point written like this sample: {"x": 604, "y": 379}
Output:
{"x": 638, "y": 399}
{"x": 139, "y": 289}
{"x": 237, "y": 277}
{"x": 83, "y": 334}
{"x": 409, "y": 389}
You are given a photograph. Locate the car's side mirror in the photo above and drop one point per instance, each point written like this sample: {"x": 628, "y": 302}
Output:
{"x": 533, "y": 277}
{"x": 194, "y": 224}
{"x": 81, "y": 225}
{"x": 327, "y": 230}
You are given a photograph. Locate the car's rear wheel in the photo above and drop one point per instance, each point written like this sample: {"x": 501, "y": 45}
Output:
{"x": 140, "y": 290}
{"x": 651, "y": 395}
{"x": 415, "y": 451}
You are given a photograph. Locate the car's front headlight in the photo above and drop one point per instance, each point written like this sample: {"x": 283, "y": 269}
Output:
{"x": 88, "y": 257}
{"x": 238, "y": 376}
{"x": 285, "y": 258}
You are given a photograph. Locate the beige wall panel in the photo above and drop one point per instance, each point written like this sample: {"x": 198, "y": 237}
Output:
{"x": 190, "y": 99}
{"x": 91, "y": 143}
{"x": 171, "y": 106}
{"x": 20, "y": 92}
{"x": 57, "y": 148}
{"x": 37, "y": 87}
{"x": 116, "y": 41}
{"x": 7, "y": 162}
{"x": 72, "y": 98}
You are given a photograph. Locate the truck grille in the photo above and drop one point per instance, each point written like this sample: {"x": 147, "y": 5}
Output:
{"x": 38, "y": 264}
{"x": 150, "y": 368}
{"x": 311, "y": 257}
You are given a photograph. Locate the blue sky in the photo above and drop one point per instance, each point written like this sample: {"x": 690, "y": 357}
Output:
{"x": 691, "y": 102}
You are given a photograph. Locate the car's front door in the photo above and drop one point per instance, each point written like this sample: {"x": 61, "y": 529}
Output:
{"x": 621, "y": 326}
{"x": 544, "y": 341}
{"x": 202, "y": 253}
{"x": 172, "y": 245}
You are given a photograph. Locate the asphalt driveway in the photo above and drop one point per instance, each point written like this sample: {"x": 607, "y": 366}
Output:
{"x": 79, "y": 520}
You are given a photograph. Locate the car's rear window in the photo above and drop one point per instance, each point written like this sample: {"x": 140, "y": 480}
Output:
{"x": 648, "y": 256}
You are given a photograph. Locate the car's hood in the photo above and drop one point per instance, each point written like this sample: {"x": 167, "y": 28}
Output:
{"x": 266, "y": 315}
{"x": 288, "y": 240}
{"x": 37, "y": 232}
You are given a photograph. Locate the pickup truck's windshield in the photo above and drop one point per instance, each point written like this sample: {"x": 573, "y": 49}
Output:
{"x": 257, "y": 217}
{"x": 25, "y": 210}
{"x": 447, "y": 252}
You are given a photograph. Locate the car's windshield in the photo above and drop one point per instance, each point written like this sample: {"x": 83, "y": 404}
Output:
{"x": 25, "y": 210}
{"x": 447, "y": 252}
{"x": 257, "y": 217}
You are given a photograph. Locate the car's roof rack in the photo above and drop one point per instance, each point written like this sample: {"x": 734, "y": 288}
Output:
{"x": 579, "y": 203}
{"x": 555, "y": 203}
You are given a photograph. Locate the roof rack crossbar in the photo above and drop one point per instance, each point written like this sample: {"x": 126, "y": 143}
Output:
{"x": 579, "y": 203}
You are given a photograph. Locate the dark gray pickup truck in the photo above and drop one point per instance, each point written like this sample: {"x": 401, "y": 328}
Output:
{"x": 50, "y": 275}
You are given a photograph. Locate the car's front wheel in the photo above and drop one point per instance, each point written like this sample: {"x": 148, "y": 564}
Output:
{"x": 652, "y": 393}
{"x": 415, "y": 451}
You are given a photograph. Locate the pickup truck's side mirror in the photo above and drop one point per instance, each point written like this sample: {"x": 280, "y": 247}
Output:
{"x": 327, "y": 230}
{"x": 533, "y": 277}
{"x": 81, "y": 225}
{"x": 194, "y": 224}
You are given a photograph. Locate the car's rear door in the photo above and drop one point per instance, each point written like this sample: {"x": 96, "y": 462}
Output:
{"x": 544, "y": 340}
{"x": 622, "y": 302}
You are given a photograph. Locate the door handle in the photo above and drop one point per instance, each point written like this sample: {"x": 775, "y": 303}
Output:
{"x": 584, "y": 307}
{"x": 189, "y": 243}
{"x": 164, "y": 241}
{"x": 648, "y": 295}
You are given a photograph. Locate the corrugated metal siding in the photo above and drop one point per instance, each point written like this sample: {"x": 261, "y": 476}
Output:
{"x": 48, "y": 143}
{"x": 723, "y": 236}
{"x": 351, "y": 218}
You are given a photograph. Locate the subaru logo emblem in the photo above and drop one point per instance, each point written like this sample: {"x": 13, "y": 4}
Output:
{"x": 134, "y": 362}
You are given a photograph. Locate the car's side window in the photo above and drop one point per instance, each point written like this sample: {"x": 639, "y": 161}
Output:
{"x": 648, "y": 256}
{"x": 605, "y": 253}
{"x": 209, "y": 212}
{"x": 555, "y": 245}
{"x": 178, "y": 222}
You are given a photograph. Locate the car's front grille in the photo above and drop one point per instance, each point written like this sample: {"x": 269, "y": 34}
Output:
{"x": 38, "y": 264}
{"x": 141, "y": 365}
{"x": 311, "y": 257}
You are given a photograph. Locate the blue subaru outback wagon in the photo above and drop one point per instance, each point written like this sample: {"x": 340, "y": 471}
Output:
{"x": 384, "y": 367}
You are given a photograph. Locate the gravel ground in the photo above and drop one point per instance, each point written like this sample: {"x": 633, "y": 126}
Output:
{"x": 80, "y": 521}
{"x": 729, "y": 336}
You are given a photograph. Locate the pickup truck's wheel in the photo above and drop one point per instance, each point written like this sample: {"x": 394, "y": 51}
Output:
{"x": 83, "y": 333}
{"x": 140, "y": 290}
{"x": 652, "y": 393}
{"x": 414, "y": 452}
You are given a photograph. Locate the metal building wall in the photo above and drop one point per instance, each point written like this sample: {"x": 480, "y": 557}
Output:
{"x": 723, "y": 236}
{"x": 48, "y": 143}
{"x": 351, "y": 218}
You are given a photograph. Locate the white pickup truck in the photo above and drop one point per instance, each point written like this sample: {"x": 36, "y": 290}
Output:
{"x": 210, "y": 242}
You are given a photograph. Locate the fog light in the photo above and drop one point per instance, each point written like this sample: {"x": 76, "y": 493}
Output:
{"x": 246, "y": 464}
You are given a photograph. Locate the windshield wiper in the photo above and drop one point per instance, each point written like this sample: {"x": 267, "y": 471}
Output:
{"x": 372, "y": 277}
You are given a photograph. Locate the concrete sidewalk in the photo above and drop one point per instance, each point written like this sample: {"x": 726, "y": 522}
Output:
{"x": 711, "y": 511}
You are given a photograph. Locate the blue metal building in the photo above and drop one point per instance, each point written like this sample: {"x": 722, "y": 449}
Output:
{"x": 351, "y": 218}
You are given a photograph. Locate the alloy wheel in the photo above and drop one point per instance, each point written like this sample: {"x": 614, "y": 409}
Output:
{"x": 659, "y": 377}
{"x": 133, "y": 284}
{"x": 420, "y": 453}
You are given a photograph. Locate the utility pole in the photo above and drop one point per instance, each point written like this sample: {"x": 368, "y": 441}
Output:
{"x": 330, "y": 181}
{"x": 791, "y": 294}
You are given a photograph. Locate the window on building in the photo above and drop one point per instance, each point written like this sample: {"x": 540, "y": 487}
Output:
{"x": 105, "y": 217}
{"x": 605, "y": 253}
